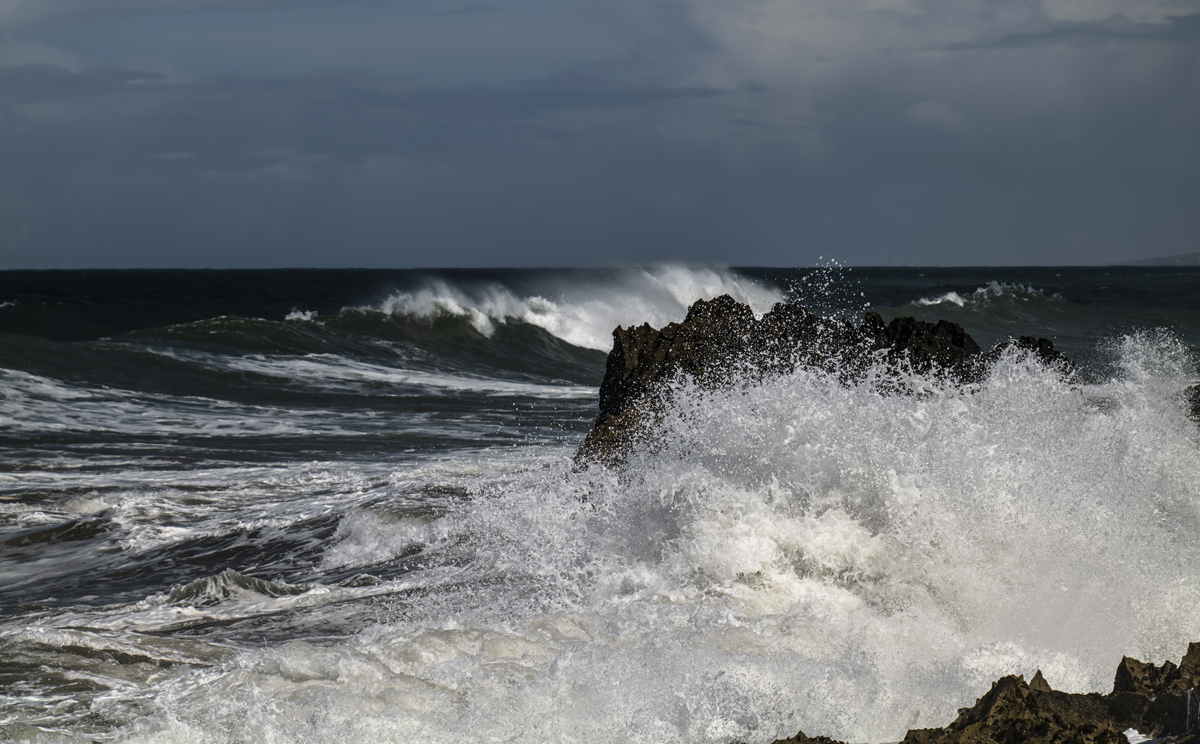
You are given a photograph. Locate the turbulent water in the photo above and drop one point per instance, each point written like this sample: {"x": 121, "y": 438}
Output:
{"x": 312, "y": 506}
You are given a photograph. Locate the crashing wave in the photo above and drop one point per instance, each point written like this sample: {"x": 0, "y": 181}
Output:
{"x": 582, "y": 314}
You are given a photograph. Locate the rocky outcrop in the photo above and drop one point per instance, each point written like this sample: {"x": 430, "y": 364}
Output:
{"x": 800, "y": 738}
{"x": 1192, "y": 395}
{"x": 1156, "y": 701}
{"x": 721, "y": 339}
{"x": 1013, "y": 711}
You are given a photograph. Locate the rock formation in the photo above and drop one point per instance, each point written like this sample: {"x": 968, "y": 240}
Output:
{"x": 720, "y": 339}
{"x": 1013, "y": 711}
{"x": 800, "y": 738}
{"x": 1157, "y": 701}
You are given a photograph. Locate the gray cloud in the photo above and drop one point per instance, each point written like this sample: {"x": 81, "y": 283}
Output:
{"x": 20, "y": 12}
{"x": 349, "y": 117}
{"x": 1173, "y": 29}
{"x": 767, "y": 132}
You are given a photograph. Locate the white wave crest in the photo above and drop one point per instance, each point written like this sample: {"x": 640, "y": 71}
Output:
{"x": 584, "y": 313}
{"x": 983, "y": 295}
{"x": 301, "y": 315}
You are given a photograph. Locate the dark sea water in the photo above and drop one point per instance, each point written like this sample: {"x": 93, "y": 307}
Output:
{"x": 313, "y": 506}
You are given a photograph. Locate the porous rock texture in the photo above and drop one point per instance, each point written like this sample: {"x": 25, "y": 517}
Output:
{"x": 720, "y": 339}
{"x": 800, "y": 738}
{"x": 1156, "y": 701}
{"x": 1013, "y": 711}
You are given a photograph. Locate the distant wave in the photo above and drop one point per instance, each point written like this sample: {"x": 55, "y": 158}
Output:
{"x": 338, "y": 373}
{"x": 983, "y": 295}
{"x": 581, "y": 313}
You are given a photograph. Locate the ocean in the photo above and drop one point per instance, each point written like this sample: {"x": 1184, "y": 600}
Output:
{"x": 340, "y": 505}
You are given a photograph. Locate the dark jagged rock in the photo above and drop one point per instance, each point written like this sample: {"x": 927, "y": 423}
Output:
{"x": 800, "y": 738}
{"x": 1157, "y": 701}
{"x": 1014, "y": 712}
{"x": 721, "y": 339}
{"x": 1192, "y": 395}
{"x": 1143, "y": 677}
{"x": 1039, "y": 683}
{"x": 927, "y": 346}
{"x": 1042, "y": 348}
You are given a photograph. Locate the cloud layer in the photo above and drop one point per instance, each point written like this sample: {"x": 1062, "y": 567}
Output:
{"x": 378, "y": 133}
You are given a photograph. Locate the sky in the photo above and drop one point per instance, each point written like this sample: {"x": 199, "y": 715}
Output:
{"x": 441, "y": 133}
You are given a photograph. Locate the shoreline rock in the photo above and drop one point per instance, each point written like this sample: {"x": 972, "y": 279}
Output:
{"x": 1157, "y": 701}
{"x": 720, "y": 339}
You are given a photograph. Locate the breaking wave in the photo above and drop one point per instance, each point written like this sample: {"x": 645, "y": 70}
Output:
{"x": 797, "y": 554}
{"x": 582, "y": 314}
{"x": 992, "y": 293}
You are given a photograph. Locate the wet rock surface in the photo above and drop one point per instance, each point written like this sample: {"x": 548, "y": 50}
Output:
{"x": 720, "y": 339}
{"x": 1156, "y": 701}
{"x": 1192, "y": 396}
{"x": 1014, "y": 711}
{"x": 800, "y": 738}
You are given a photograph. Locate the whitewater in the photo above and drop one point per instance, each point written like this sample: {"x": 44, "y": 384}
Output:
{"x": 346, "y": 508}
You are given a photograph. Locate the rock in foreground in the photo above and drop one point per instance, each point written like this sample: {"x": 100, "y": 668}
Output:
{"x": 1157, "y": 701}
{"x": 721, "y": 339}
{"x": 1192, "y": 395}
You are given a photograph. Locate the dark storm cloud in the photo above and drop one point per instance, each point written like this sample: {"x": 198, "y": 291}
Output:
{"x": 223, "y": 123}
{"x": 33, "y": 82}
{"x": 770, "y": 131}
{"x": 32, "y": 11}
{"x": 1184, "y": 29}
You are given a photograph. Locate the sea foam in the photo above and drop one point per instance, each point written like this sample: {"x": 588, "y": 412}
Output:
{"x": 796, "y": 554}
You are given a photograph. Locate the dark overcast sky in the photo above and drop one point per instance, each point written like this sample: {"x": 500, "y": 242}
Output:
{"x": 415, "y": 133}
